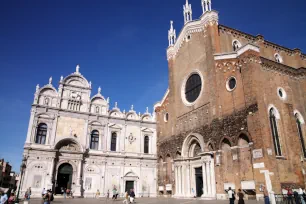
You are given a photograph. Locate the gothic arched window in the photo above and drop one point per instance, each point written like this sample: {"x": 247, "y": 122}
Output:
{"x": 278, "y": 58}
{"x": 275, "y": 134}
{"x": 146, "y": 144}
{"x": 94, "y": 140}
{"x": 114, "y": 141}
{"x": 300, "y": 132}
{"x": 41, "y": 133}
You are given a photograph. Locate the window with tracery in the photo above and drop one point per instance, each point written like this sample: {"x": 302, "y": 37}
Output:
{"x": 114, "y": 141}
{"x": 278, "y": 58}
{"x": 94, "y": 140}
{"x": 41, "y": 133}
{"x": 275, "y": 134}
{"x": 300, "y": 132}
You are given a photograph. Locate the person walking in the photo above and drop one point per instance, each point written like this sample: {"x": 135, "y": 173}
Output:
{"x": 11, "y": 199}
{"x": 301, "y": 196}
{"x": 46, "y": 198}
{"x": 126, "y": 198}
{"x": 266, "y": 195}
{"x": 114, "y": 193}
{"x": 290, "y": 196}
{"x": 240, "y": 197}
{"x": 132, "y": 196}
{"x": 231, "y": 195}
{"x": 193, "y": 193}
{"x": 97, "y": 194}
{"x": 3, "y": 197}
{"x": 30, "y": 193}
{"x": 107, "y": 195}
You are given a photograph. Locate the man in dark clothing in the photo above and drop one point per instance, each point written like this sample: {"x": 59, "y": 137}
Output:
{"x": 132, "y": 196}
{"x": 296, "y": 197}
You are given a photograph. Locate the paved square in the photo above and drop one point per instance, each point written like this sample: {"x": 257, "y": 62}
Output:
{"x": 138, "y": 200}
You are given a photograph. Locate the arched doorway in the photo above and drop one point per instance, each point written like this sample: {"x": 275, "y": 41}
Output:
{"x": 64, "y": 177}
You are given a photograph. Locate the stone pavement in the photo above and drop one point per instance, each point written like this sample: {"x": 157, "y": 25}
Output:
{"x": 138, "y": 200}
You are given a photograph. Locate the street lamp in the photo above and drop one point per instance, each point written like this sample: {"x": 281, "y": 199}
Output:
{"x": 22, "y": 168}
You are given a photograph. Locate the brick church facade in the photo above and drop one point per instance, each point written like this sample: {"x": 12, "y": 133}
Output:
{"x": 233, "y": 115}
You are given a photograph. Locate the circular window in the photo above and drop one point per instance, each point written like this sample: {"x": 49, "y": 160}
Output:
{"x": 231, "y": 84}
{"x": 166, "y": 117}
{"x": 282, "y": 93}
{"x": 193, "y": 88}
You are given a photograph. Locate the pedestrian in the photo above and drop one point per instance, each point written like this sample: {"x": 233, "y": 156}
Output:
{"x": 30, "y": 193}
{"x": 64, "y": 192}
{"x": 231, "y": 195}
{"x": 301, "y": 196}
{"x": 289, "y": 196}
{"x": 266, "y": 195}
{"x": 126, "y": 198}
{"x": 43, "y": 192}
{"x": 68, "y": 192}
{"x": 132, "y": 196}
{"x": 107, "y": 195}
{"x": 240, "y": 196}
{"x": 3, "y": 197}
{"x": 11, "y": 199}
{"x": 97, "y": 194}
{"x": 193, "y": 193}
{"x": 46, "y": 198}
{"x": 114, "y": 193}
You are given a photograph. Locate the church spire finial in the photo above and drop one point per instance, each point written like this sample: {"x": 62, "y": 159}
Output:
{"x": 77, "y": 69}
{"x": 99, "y": 90}
{"x": 50, "y": 80}
{"x": 206, "y": 5}
{"x": 171, "y": 35}
{"x": 187, "y": 12}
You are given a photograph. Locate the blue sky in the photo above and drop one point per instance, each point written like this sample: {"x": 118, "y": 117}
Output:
{"x": 120, "y": 46}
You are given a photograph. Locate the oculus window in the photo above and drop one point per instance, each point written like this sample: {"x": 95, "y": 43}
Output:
{"x": 193, "y": 88}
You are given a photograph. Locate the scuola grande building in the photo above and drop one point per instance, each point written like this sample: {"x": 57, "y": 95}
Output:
{"x": 77, "y": 141}
{"x": 234, "y": 112}
{"x": 233, "y": 116}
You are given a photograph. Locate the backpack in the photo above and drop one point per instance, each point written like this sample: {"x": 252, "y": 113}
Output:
{"x": 52, "y": 197}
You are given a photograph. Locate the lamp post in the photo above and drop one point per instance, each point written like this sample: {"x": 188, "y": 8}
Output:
{"x": 22, "y": 167}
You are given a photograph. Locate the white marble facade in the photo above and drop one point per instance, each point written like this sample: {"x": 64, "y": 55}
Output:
{"x": 76, "y": 137}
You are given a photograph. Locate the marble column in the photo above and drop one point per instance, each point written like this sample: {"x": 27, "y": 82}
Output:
{"x": 51, "y": 170}
{"x": 188, "y": 180}
{"x": 213, "y": 179}
{"x": 183, "y": 180}
{"x": 176, "y": 180}
{"x": 204, "y": 180}
{"x": 80, "y": 173}
{"x": 208, "y": 176}
{"x": 180, "y": 180}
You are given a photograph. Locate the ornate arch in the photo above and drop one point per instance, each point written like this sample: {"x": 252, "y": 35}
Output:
{"x": 244, "y": 135}
{"x": 188, "y": 141}
{"x": 68, "y": 142}
{"x": 276, "y": 112}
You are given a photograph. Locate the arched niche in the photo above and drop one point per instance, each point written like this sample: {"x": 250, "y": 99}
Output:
{"x": 68, "y": 144}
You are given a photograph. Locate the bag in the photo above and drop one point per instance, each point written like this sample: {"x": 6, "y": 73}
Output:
{"x": 233, "y": 196}
{"x": 52, "y": 197}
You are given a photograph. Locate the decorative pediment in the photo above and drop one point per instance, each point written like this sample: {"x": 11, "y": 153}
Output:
{"x": 115, "y": 126}
{"x": 147, "y": 130}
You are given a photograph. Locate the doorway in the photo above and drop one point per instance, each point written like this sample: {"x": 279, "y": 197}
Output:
{"x": 64, "y": 178}
{"x": 129, "y": 185}
{"x": 199, "y": 181}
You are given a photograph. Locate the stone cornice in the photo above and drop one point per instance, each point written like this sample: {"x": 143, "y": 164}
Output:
{"x": 270, "y": 65}
{"x": 196, "y": 26}
{"x": 253, "y": 38}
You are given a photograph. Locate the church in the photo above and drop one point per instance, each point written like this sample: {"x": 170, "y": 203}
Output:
{"x": 77, "y": 141}
{"x": 233, "y": 114}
